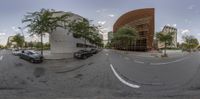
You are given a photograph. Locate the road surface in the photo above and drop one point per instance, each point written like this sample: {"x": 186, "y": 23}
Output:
{"x": 106, "y": 75}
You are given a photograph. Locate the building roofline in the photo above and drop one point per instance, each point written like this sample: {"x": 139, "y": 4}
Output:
{"x": 166, "y": 26}
{"x": 131, "y": 13}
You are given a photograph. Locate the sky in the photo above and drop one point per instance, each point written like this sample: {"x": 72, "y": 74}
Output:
{"x": 182, "y": 14}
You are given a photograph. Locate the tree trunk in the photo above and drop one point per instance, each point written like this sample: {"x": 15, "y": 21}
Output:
{"x": 190, "y": 49}
{"x": 135, "y": 45}
{"x": 165, "y": 52}
{"x": 41, "y": 44}
{"x": 130, "y": 45}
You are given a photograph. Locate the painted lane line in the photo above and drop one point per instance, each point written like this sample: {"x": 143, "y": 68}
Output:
{"x": 107, "y": 54}
{"x": 1, "y": 58}
{"x": 136, "y": 61}
{"x": 122, "y": 80}
{"x": 179, "y": 60}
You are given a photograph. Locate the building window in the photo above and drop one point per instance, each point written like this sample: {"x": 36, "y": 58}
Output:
{"x": 81, "y": 45}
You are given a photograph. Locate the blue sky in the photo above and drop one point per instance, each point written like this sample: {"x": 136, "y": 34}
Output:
{"x": 182, "y": 14}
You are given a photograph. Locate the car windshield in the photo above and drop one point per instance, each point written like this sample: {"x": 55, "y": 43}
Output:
{"x": 99, "y": 49}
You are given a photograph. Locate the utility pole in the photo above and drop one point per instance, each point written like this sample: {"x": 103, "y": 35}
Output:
{"x": 21, "y": 29}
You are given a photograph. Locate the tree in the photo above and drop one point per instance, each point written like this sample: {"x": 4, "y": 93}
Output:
{"x": 19, "y": 40}
{"x": 165, "y": 38}
{"x": 124, "y": 37}
{"x": 190, "y": 42}
{"x": 82, "y": 29}
{"x": 1, "y": 46}
{"x": 44, "y": 21}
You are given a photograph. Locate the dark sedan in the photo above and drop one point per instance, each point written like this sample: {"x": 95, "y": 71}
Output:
{"x": 94, "y": 51}
{"x": 82, "y": 54}
{"x": 31, "y": 56}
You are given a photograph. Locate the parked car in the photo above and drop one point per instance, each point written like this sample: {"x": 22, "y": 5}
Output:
{"x": 16, "y": 52}
{"x": 31, "y": 56}
{"x": 82, "y": 54}
{"x": 94, "y": 51}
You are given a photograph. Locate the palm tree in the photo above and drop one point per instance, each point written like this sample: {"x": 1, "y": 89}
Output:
{"x": 165, "y": 38}
{"x": 125, "y": 37}
{"x": 44, "y": 21}
{"x": 19, "y": 40}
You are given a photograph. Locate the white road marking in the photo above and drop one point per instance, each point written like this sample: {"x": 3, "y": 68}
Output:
{"x": 122, "y": 80}
{"x": 169, "y": 62}
{"x": 107, "y": 54}
{"x": 1, "y": 58}
{"x": 136, "y": 61}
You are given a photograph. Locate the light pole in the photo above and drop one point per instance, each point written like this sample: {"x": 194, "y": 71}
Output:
{"x": 20, "y": 28}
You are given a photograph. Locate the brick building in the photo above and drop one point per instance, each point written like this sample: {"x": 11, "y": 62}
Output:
{"x": 143, "y": 21}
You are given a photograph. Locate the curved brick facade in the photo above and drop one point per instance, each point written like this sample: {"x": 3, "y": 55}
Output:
{"x": 143, "y": 21}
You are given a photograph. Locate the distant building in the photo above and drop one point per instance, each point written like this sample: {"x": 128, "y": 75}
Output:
{"x": 110, "y": 36}
{"x": 143, "y": 21}
{"x": 168, "y": 29}
{"x": 105, "y": 42}
{"x": 100, "y": 35}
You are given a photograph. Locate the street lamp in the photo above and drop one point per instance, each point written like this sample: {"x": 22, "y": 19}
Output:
{"x": 20, "y": 28}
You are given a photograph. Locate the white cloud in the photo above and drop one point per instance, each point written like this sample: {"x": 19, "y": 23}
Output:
{"x": 187, "y": 21}
{"x": 15, "y": 29}
{"x": 191, "y": 7}
{"x": 161, "y": 28}
{"x": 2, "y": 34}
{"x": 101, "y": 10}
{"x": 185, "y": 31}
{"x": 101, "y": 22}
{"x": 98, "y": 11}
{"x": 174, "y": 25}
{"x": 26, "y": 30}
{"x": 198, "y": 34}
{"x": 111, "y": 15}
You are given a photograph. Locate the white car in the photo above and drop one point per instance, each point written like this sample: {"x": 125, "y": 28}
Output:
{"x": 16, "y": 52}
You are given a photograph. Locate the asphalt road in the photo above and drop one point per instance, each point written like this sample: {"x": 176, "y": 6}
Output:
{"x": 106, "y": 75}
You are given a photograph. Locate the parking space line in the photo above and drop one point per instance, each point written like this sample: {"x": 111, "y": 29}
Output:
{"x": 122, "y": 80}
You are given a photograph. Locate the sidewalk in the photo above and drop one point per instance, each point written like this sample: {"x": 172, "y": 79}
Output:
{"x": 56, "y": 56}
{"x": 64, "y": 65}
{"x": 155, "y": 54}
